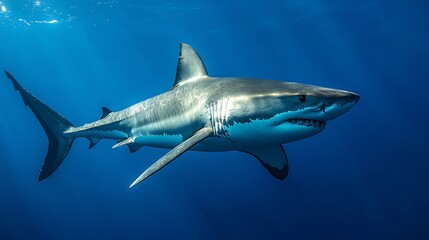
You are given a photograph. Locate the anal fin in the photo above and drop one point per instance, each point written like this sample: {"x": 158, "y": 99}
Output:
{"x": 174, "y": 153}
{"x": 93, "y": 141}
{"x": 273, "y": 158}
{"x": 133, "y": 147}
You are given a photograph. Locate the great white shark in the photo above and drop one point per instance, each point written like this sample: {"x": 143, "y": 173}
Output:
{"x": 202, "y": 113}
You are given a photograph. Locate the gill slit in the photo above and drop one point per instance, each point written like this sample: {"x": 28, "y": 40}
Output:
{"x": 219, "y": 114}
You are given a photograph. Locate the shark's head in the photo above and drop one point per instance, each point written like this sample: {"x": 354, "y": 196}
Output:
{"x": 315, "y": 103}
{"x": 310, "y": 107}
{"x": 282, "y": 112}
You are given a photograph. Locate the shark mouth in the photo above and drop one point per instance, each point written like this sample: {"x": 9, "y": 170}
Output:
{"x": 307, "y": 122}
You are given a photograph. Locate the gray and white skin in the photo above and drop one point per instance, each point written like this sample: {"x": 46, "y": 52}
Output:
{"x": 203, "y": 113}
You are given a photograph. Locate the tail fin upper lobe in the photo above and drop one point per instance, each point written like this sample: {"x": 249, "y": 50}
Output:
{"x": 54, "y": 125}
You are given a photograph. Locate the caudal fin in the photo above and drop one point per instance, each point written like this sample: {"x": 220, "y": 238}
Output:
{"x": 54, "y": 125}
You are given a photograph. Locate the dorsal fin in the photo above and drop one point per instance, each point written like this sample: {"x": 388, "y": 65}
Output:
{"x": 189, "y": 65}
{"x": 105, "y": 111}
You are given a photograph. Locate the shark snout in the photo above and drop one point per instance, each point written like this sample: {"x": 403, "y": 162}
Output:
{"x": 352, "y": 98}
{"x": 339, "y": 105}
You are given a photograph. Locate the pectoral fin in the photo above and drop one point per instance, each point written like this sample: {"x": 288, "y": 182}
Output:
{"x": 273, "y": 158}
{"x": 173, "y": 154}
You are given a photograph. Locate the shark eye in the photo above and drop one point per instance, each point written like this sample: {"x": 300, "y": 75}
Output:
{"x": 302, "y": 98}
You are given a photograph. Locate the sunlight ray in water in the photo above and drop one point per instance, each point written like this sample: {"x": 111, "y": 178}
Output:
{"x": 48, "y": 22}
{"x": 2, "y": 8}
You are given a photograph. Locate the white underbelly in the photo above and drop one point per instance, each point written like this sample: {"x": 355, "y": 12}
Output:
{"x": 211, "y": 144}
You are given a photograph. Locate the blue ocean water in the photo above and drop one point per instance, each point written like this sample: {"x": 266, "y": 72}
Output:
{"x": 364, "y": 177}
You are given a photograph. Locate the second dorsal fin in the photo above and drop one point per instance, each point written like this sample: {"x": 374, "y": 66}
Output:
{"x": 105, "y": 112}
{"x": 189, "y": 65}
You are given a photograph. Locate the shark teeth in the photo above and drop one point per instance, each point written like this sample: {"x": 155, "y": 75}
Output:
{"x": 308, "y": 122}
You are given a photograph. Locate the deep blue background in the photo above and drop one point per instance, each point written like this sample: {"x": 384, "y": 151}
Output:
{"x": 364, "y": 177}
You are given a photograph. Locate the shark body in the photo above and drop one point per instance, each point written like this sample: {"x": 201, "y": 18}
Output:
{"x": 203, "y": 113}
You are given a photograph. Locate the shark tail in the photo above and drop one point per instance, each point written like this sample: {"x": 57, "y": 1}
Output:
{"x": 54, "y": 125}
